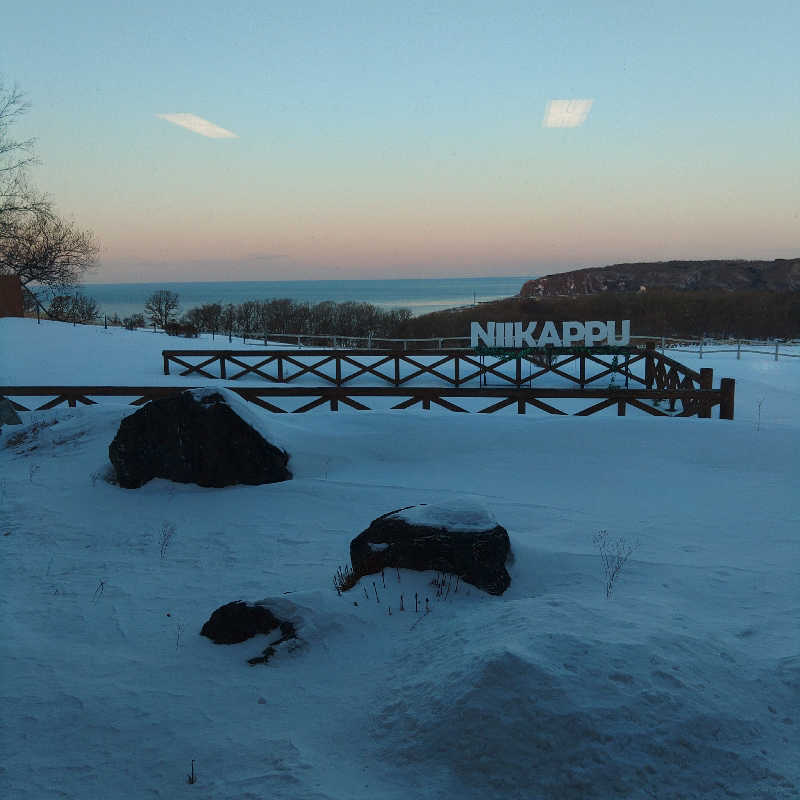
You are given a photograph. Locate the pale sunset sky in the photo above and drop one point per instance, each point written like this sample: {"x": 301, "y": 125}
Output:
{"x": 412, "y": 139}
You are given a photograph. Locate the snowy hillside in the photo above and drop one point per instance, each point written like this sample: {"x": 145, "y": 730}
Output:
{"x": 684, "y": 683}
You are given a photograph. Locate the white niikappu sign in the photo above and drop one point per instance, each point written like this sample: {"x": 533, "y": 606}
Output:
{"x": 515, "y": 334}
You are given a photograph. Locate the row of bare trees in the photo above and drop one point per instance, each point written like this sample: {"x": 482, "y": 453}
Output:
{"x": 256, "y": 318}
{"x": 48, "y": 253}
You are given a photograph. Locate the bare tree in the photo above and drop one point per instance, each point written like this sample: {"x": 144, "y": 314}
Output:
{"x": 46, "y": 251}
{"x": 205, "y": 318}
{"x": 16, "y": 156}
{"x": 73, "y": 308}
{"x": 161, "y": 307}
{"x": 42, "y": 249}
{"x": 228, "y": 319}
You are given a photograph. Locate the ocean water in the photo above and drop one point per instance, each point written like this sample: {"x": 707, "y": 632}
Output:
{"x": 420, "y": 295}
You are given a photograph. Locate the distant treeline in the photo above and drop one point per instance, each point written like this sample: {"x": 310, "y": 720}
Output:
{"x": 659, "y": 312}
{"x": 254, "y": 318}
{"x": 662, "y": 312}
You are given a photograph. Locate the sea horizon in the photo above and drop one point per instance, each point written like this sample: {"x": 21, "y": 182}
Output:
{"x": 420, "y": 295}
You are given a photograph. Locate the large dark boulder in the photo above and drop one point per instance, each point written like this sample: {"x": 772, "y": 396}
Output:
{"x": 461, "y": 538}
{"x": 195, "y": 437}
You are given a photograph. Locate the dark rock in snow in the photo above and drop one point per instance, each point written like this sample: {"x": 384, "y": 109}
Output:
{"x": 194, "y": 437}
{"x": 461, "y": 538}
{"x": 239, "y": 621}
{"x": 8, "y": 414}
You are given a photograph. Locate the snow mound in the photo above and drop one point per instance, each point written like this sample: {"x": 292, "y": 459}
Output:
{"x": 465, "y": 515}
{"x": 61, "y": 431}
{"x": 555, "y": 716}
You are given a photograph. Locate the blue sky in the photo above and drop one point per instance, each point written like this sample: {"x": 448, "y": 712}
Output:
{"x": 407, "y": 139}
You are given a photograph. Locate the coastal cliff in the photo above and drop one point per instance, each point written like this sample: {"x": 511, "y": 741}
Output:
{"x": 723, "y": 275}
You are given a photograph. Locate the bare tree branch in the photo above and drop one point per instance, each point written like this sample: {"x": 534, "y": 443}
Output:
{"x": 39, "y": 247}
{"x": 46, "y": 250}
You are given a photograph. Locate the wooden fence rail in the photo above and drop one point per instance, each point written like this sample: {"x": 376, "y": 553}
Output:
{"x": 699, "y": 402}
{"x": 436, "y": 343}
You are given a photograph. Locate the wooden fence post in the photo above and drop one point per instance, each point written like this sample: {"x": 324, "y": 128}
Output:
{"x": 222, "y": 367}
{"x": 728, "y": 388}
{"x": 621, "y": 407}
{"x": 166, "y": 364}
{"x": 706, "y": 384}
{"x": 650, "y": 365}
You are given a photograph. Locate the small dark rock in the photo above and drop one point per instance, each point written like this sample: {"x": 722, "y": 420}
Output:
{"x": 8, "y": 414}
{"x": 194, "y": 438}
{"x": 238, "y": 621}
{"x": 462, "y": 539}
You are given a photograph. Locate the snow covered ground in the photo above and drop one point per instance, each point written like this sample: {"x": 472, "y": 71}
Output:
{"x": 684, "y": 683}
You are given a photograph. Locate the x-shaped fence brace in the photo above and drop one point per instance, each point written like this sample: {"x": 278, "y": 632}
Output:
{"x": 453, "y": 368}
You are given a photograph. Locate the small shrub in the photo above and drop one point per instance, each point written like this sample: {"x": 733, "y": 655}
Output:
{"x": 614, "y": 553}
{"x": 167, "y": 532}
{"x": 344, "y": 579}
{"x": 444, "y": 583}
{"x": 185, "y": 329}
{"x": 73, "y": 308}
{"x": 105, "y": 473}
{"x": 30, "y": 434}
{"x": 133, "y": 322}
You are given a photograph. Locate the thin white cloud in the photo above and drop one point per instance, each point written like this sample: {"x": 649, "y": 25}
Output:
{"x": 198, "y": 125}
{"x": 566, "y": 113}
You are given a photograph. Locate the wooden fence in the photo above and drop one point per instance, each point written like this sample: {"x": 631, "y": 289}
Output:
{"x": 699, "y": 402}
{"x": 641, "y": 366}
{"x": 698, "y": 346}
{"x": 447, "y": 379}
